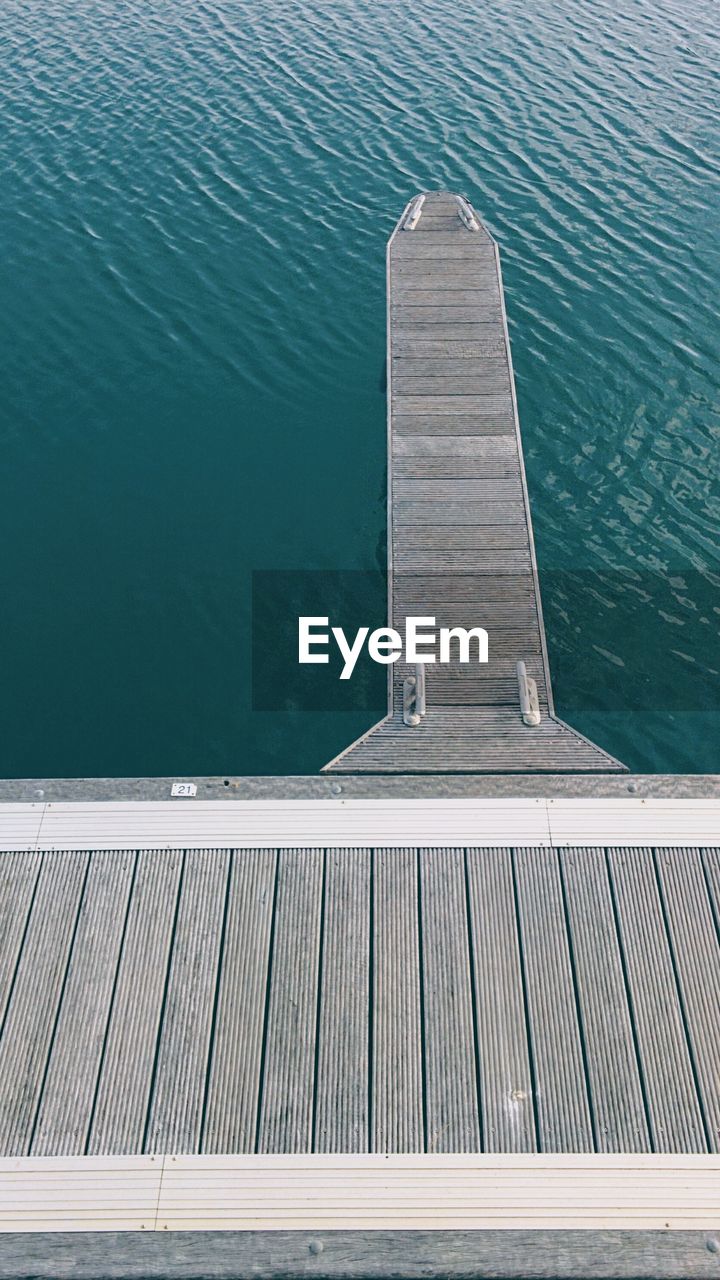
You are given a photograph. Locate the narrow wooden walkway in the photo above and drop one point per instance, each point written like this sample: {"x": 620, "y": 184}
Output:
{"x": 460, "y": 536}
{"x": 359, "y": 1000}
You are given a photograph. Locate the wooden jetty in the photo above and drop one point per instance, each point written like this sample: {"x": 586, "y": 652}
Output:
{"x": 370, "y": 1025}
{"x": 449, "y": 1027}
{"x": 460, "y": 535}
{"x": 382, "y": 975}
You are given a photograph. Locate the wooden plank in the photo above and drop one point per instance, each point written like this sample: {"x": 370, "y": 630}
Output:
{"x": 65, "y": 1109}
{"x": 18, "y": 879}
{"x": 506, "y": 1089}
{"x": 454, "y": 446}
{"x": 175, "y": 1117}
{"x": 36, "y": 996}
{"x": 464, "y": 586}
{"x": 696, "y": 957}
{"x": 477, "y": 513}
{"x": 456, "y": 489}
{"x": 450, "y": 366}
{"x": 342, "y": 1093}
{"x": 485, "y": 384}
{"x": 465, "y": 1254}
{"x": 234, "y": 1076}
{"x": 456, "y": 467}
{"x": 450, "y": 1052}
{"x": 614, "y": 1077}
{"x": 517, "y": 618}
{"x": 479, "y": 424}
{"x": 480, "y": 561}
{"x": 123, "y": 1096}
{"x": 479, "y": 313}
{"x": 674, "y": 1115}
{"x": 471, "y": 291}
{"x": 563, "y": 1113}
{"x": 440, "y": 405}
{"x": 443, "y": 334}
{"x": 448, "y": 249}
{"x": 397, "y": 1095}
{"x": 432, "y": 264}
{"x": 408, "y": 274}
{"x": 452, "y": 348}
{"x": 286, "y": 1112}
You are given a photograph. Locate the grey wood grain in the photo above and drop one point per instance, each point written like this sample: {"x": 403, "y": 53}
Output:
{"x": 453, "y": 348}
{"x": 449, "y": 366}
{"x": 418, "y": 1254}
{"x": 450, "y": 1053}
{"x": 456, "y": 467}
{"x": 455, "y": 446}
{"x": 397, "y": 1071}
{"x": 563, "y": 1112}
{"x": 676, "y": 1121}
{"x": 444, "y": 512}
{"x": 65, "y": 1108}
{"x": 613, "y": 1070}
{"x": 37, "y": 995}
{"x": 286, "y": 1113}
{"x": 457, "y": 489}
{"x": 176, "y": 1108}
{"x": 233, "y": 1086}
{"x": 18, "y": 879}
{"x": 693, "y": 935}
{"x": 483, "y": 384}
{"x": 506, "y": 1089}
{"x": 482, "y": 560}
{"x": 478, "y": 313}
{"x": 342, "y": 1089}
{"x": 440, "y": 405}
{"x": 121, "y": 1105}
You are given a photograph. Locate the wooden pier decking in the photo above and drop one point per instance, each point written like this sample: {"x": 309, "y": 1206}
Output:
{"x": 460, "y": 536}
{"x": 388, "y": 1000}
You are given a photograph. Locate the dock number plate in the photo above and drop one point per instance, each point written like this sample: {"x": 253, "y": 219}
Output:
{"x": 183, "y": 789}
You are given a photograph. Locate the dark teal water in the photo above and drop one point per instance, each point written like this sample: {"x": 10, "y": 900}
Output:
{"x": 196, "y": 198}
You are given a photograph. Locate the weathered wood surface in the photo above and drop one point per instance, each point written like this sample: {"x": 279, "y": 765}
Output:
{"x": 251, "y": 1001}
{"x": 457, "y": 505}
{"x": 356, "y": 1255}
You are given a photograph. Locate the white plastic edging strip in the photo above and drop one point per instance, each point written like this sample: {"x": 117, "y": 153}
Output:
{"x": 346, "y": 823}
{"x": 307, "y": 1193}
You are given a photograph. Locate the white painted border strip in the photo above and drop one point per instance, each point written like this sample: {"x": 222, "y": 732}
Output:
{"x": 345, "y": 823}
{"x": 308, "y": 1193}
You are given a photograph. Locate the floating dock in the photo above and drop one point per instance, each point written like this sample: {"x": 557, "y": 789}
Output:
{"x": 459, "y": 530}
{"x": 326, "y": 1028}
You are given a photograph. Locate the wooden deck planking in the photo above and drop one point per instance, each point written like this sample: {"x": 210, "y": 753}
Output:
{"x": 458, "y": 504}
{"x": 397, "y": 1067}
{"x": 450, "y": 1054}
{"x": 693, "y": 935}
{"x": 563, "y": 1109}
{"x": 343, "y": 1071}
{"x": 394, "y": 1000}
{"x": 286, "y": 1115}
{"x": 506, "y": 1084}
{"x": 126, "y": 1072}
{"x": 674, "y": 1111}
{"x": 18, "y": 879}
{"x": 29, "y": 1026}
{"x": 176, "y": 1108}
{"x": 236, "y": 1061}
{"x": 613, "y": 1073}
{"x": 62, "y": 1123}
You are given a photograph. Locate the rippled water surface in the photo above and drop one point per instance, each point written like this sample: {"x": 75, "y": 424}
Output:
{"x": 196, "y": 199}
